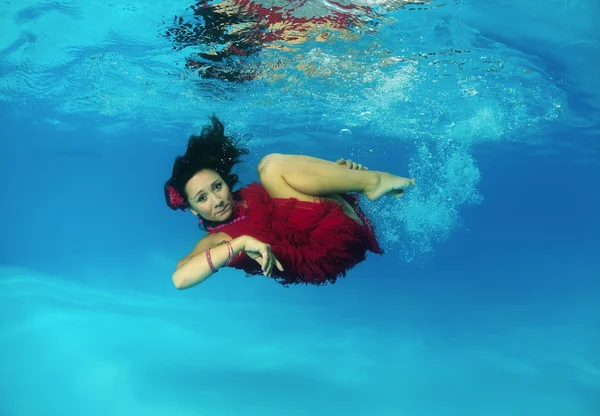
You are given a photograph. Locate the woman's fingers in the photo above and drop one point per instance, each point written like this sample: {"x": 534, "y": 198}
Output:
{"x": 263, "y": 255}
{"x": 271, "y": 263}
{"x": 269, "y": 268}
{"x": 267, "y": 261}
{"x": 279, "y": 266}
{"x": 264, "y": 258}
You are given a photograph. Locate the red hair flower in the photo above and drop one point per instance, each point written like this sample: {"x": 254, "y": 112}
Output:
{"x": 176, "y": 199}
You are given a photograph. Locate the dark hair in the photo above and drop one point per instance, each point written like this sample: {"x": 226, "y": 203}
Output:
{"x": 210, "y": 150}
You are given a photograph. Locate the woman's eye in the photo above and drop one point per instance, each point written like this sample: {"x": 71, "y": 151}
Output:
{"x": 218, "y": 186}
{"x": 202, "y": 199}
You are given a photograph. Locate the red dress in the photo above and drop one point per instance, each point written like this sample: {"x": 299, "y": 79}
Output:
{"x": 316, "y": 242}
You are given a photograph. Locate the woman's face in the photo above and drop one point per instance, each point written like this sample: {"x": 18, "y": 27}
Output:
{"x": 209, "y": 196}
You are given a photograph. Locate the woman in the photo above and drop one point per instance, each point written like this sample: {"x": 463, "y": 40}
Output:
{"x": 298, "y": 225}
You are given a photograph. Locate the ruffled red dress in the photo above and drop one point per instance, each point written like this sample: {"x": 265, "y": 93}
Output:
{"x": 316, "y": 242}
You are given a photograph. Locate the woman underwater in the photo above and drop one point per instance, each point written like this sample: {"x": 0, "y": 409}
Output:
{"x": 298, "y": 225}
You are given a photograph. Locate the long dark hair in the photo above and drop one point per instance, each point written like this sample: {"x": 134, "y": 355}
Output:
{"x": 209, "y": 150}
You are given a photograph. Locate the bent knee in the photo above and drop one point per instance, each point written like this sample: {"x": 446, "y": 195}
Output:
{"x": 270, "y": 163}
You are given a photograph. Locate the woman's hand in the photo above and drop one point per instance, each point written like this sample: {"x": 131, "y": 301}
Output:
{"x": 351, "y": 164}
{"x": 261, "y": 253}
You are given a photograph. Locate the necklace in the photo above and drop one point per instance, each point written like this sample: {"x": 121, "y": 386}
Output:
{"x": 218, "y": 227}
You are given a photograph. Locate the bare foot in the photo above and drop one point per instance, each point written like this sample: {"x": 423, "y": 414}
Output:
{"x": 389, "y": 185}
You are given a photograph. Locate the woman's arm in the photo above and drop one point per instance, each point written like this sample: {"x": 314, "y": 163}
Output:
{"x": 208, "y": 241}
{"x": 194, "y": 268}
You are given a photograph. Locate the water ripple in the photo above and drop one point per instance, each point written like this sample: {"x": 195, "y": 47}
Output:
{"x": 34, "y": 13}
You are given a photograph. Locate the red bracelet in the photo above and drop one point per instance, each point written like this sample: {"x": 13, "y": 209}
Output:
{"x": 230, "y": 249}
{"x": 209, "y": 260}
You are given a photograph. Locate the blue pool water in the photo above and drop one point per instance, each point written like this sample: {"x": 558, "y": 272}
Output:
{"x": 487, "y": 301}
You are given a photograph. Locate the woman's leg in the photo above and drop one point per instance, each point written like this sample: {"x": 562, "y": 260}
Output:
{"x": 305, "y": 178}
